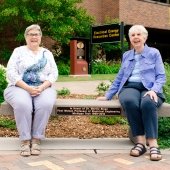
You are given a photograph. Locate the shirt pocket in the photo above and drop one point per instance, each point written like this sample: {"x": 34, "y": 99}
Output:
{"x": 148, "y": 65}
{"x": 128, "y": 68}
{"x": 125, "y": 66}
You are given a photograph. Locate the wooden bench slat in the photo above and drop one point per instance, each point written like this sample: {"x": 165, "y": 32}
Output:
{"x": 164, "y": 110}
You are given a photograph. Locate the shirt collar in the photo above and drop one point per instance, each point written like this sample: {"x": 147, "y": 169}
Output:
{"x": 145, "y": 51}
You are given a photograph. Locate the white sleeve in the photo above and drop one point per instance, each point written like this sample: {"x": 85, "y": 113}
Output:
{"x": 12, "y": 68}
{"x": 53, "y": 74}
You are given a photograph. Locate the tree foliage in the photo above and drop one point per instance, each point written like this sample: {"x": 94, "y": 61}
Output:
{"x": 59, "y": 19}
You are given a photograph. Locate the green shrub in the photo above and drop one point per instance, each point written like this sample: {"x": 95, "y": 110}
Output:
{"x": 5, "y": 55}
{"x": 164, "y": 132}
{"x": 164, "y": 127}
{"x": 164, "y": 122}
{"x": 103, "y": 67}
{"x": 63, "y": 92}
{"x": 164, "y": 142}
{"x": 3, "y": 82}
{"x": 102, "y": 88}
{"x": 167, "y": 85}
{"x": 7, "y": 123}
{"x": 63, "y": 69}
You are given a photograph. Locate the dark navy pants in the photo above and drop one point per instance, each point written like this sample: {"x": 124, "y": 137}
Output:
{"x": 141, "y": 111}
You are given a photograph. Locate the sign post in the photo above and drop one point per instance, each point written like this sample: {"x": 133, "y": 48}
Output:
{"x": 106, "y": 33}
{"x": 112, "y": 33}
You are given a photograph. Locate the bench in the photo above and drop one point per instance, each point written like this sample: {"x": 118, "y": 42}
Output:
{"x": 88, "y": 107}
{"x": 77, "y": 107}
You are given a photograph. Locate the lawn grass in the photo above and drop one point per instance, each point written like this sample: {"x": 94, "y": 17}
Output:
{"x": 93, "y": 77}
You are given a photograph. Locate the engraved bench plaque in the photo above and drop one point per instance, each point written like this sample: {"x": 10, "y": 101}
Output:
{"x": 98, "y": 111}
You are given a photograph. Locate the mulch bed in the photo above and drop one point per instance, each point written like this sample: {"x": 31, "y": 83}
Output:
{"x": 74, "y": 126}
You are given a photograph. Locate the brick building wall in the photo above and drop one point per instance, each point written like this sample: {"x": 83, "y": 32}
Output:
{"x": 150, "y": 14}
{"x": 94, "y": 8}
{"x": 153, "y": 15}
{"x": 101, "y": 9}
{"x": 110, "y": 8}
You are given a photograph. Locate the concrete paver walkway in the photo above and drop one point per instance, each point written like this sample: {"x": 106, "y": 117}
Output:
{"x": 79, "y": 154}
{"x": 81, "y": 87}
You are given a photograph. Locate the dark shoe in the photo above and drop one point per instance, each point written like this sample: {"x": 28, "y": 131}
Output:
{"x": 140, "y": 148}
{"x": 155, "y": 154}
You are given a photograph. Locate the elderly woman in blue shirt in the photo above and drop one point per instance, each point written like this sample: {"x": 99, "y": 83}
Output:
{"x": 139, "y": 86}
{"x": 31, "y": 72}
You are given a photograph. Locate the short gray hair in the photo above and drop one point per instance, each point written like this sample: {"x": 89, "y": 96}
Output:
{"x": 138, "y": 28}
{"x": 31, "y": 27}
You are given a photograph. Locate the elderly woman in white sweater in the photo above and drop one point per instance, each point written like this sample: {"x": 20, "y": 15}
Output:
{"x": 31, "y": 71}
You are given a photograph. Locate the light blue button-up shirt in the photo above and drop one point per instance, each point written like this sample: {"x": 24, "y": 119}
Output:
{"x": 151, "y": 68}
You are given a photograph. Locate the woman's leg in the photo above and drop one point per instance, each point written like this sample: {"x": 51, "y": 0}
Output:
{"x": 21, "y": 101}
{"x": 130, "y": 101}
{"x": 43, "y": 105}
{"x": 150, "y": 115}
{"x": 150, "y": 120}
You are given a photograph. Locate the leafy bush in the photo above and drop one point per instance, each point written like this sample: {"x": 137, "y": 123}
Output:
{"x": 5, "y": 55}
{"x": 102, "y": 88}
{"x": 3, "y": 82}
{"x": 63, "y": 69}
{"x": 103, "y": 67}
{"x": 7, "y": 123}
{"x": 164, "y": 122}
{"x": 164, "y": 132}
{"x": 167, "y": 85}
{"x": 63, "y": 92}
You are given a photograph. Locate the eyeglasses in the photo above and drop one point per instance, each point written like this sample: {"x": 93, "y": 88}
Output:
{"x": 34, "y": 35}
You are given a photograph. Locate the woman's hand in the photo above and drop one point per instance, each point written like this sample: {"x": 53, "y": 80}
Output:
{"x": 152, "y": 95}
{"x": 101, "y": 98}
{"x": 40, "y": 88}
{"x": 35, "y": 91}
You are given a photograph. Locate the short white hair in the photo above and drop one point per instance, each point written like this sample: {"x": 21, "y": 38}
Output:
{"x": 31, "y": 27}
{"x": 138, "y": 28}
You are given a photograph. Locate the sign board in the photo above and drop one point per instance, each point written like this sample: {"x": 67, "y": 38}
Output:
{"x": 88, "y": 111}
{"x": 106, "y": 33}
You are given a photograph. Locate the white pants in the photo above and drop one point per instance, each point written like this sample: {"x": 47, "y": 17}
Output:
{"x": 31, "y": 113}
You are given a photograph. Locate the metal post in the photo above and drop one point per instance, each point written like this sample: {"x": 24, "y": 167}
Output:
{"x": 122, "y": 36}
{"x": 90, "y": 53}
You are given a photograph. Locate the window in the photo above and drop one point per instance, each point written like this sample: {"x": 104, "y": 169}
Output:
{"x": 163, "y": 1}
